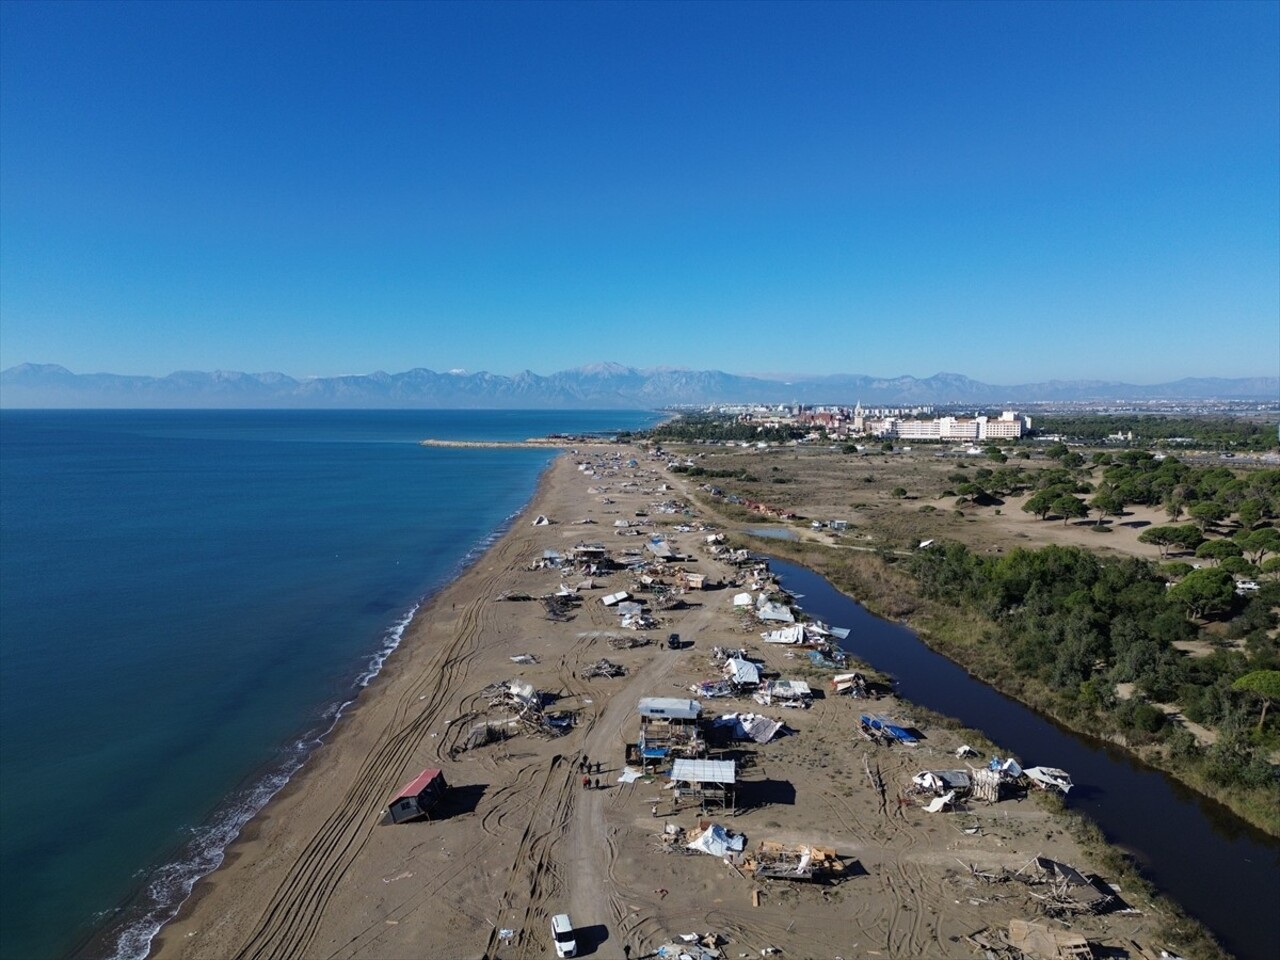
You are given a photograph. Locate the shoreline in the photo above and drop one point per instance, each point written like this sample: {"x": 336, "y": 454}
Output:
{"x": 314, "y": 874}
{"x": 390, "y": 667}
{"x": 145, "y": 932}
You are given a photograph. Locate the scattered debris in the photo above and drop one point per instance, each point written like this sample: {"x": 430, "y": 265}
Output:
{"x": 604, "y": 668}
{"x": 792, "y": 861}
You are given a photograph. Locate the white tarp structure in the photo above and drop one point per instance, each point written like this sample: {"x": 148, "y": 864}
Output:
{"x": 791, "y": 634}
{"x": 716, "y": 841}
{"x": 610, "y": 599}
{"x": 742, "y": 600}
{"x": 629, "y": 608}
{"x": 741, "y": 671}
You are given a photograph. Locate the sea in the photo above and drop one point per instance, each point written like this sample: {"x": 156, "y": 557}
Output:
{"x": 188, "y": 602}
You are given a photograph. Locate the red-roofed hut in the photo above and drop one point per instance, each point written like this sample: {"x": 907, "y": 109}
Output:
{"x": 419, "y": 796}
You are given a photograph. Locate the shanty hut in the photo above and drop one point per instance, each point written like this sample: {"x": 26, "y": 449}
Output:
{"x": 669, "y": 727}
{"x": 418, "y": 796}
{"x": 709, "y": 781}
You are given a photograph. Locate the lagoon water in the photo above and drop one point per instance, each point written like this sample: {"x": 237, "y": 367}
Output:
{"x": 187, "y": 600}
{"x": 1220, "y": 869}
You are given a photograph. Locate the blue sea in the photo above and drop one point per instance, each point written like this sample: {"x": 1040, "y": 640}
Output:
{"x": 188, "y": 600}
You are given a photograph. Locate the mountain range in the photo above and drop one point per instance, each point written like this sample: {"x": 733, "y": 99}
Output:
{"x": 598, "y": 386}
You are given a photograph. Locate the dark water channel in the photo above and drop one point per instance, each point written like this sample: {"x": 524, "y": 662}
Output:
{"x": 1220, "y": 869}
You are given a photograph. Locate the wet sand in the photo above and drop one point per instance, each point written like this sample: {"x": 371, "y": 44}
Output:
{"x": 319, "y": 874}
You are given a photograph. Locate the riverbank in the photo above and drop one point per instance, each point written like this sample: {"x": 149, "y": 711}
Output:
{"x": 319, "y": 874}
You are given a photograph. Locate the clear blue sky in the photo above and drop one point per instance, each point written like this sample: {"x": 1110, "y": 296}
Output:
{"x": 1015, "y": 192}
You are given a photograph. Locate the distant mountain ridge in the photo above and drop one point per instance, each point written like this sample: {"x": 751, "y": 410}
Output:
{"x": 598, "y": 386}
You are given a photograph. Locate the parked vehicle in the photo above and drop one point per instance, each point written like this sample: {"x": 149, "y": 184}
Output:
{"x": 673, "y": 642}
{"x": 562, "y": 935}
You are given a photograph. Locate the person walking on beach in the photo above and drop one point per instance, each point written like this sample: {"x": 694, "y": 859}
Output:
{"x": 586, "y": 782}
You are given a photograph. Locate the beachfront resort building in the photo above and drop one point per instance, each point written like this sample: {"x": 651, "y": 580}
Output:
{"x": 1010, "y": 425}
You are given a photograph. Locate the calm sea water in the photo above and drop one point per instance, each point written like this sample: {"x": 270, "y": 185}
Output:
{"x": 187, "y": 600}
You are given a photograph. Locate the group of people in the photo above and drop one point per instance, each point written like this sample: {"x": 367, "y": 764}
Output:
{"x": 584, "y": 768}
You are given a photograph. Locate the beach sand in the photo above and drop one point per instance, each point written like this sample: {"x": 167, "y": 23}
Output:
{"x": 319, "y": 874}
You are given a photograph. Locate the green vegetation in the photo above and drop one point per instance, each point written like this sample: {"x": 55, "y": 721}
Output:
{"x": 1217, "y": 433}
{"x": 1065, "y": 627}
{"x": 712, "y": 428}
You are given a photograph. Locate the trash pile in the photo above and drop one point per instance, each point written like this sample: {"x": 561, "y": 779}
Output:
{"x": 628, "y": 643}
{"x": 692, "y": 946}
{"x": 604, "y": 668}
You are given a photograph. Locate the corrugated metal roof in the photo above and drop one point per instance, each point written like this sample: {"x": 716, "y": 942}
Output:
{"x": 669, "y": 707}
{"x": 704, "y": 771}
{"x": 418, "y": 784}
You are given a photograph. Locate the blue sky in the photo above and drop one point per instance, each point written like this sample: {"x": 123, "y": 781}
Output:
{"x": 1015, "y": 192}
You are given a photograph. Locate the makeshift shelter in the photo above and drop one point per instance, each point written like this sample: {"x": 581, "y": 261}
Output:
{"x": 709, "y": 781}
{"x": 788, "y": 693}
{"x": 742, "y": 599}
{"x": 419, "y": 796}
{"x": 669, "y": 727}
{"x": 613, "y": 598}
{"x": 941, "y": 781}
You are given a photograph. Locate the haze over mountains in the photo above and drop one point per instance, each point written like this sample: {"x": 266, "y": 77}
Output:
{"x": 598, "y": 386}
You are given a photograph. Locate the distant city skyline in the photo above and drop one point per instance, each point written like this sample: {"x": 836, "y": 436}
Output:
{"x": 1018, "y": 192}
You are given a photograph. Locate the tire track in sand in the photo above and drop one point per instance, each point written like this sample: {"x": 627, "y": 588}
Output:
{"x": 294, "y": 911}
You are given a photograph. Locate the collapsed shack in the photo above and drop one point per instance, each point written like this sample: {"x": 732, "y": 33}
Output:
{"x": 1038, "y": 941}
{"x": 851, "y": 684}
{"x": 519, "y": 707}
{"x": 1068, "y": 890}
{"x": 604, "y": 668}
{"x": 792, "y": 861}
{"x": 787, "y": 693}
{"x": 880, "y": 729}
{"x": 710, "y": 782}
{"x": 560, "y": 608}
{"x": 745, "y": 726}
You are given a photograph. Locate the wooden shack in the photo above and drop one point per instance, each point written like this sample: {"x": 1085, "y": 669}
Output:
{"x": 418, "y": 797}
{"x": 669, "y": 727}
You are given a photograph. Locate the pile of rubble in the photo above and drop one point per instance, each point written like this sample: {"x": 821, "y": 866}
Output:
{"x": 604, "y": 668}
{"x": 521, "y": 710}
{"x": 792, "y": 861}
{"x": 628, "y": 643}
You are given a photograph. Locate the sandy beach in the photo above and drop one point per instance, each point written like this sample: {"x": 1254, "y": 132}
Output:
{"x": 321, "y": 874}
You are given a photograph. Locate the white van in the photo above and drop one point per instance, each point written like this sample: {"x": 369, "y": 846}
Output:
{"x": 562, "y": 934}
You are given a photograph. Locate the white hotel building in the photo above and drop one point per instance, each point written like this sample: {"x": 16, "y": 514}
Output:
{"x": 1009, "y": 426}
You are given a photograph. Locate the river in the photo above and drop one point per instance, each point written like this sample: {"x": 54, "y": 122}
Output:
{"x": 1222, "y": 871}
